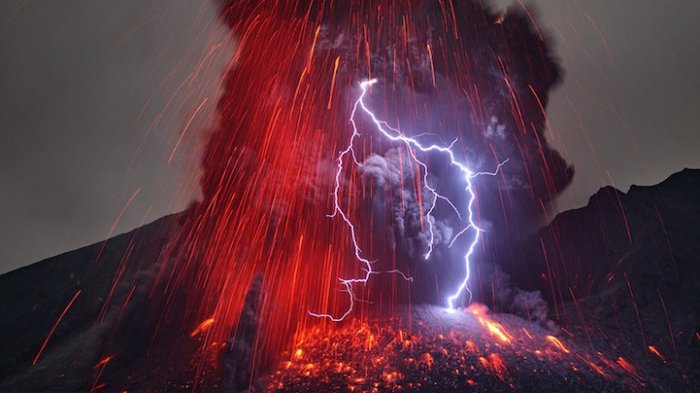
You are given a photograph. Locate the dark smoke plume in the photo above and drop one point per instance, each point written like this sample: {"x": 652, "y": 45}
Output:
{"x": 489, "y": 90}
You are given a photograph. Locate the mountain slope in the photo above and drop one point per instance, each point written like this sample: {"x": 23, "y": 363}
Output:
{"x": 55, "y": 315}
{"x": 622, "y": 276}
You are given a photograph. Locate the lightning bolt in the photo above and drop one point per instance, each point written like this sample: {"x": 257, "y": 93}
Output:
{"x": 411, "y": 143}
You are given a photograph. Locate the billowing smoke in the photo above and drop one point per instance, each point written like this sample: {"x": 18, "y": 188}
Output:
{"x": 486, "y": 86}
{"x": 495, "y": 106}
{"x": 446, "y": 70}
{"x": 527, "y": 304}
{"x": 388, "y": 175}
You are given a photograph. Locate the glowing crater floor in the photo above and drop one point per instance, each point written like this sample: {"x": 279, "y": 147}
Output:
{"x": 434, "y": 350}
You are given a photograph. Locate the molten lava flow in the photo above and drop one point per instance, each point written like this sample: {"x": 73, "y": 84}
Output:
{"x": 494, "y": 328}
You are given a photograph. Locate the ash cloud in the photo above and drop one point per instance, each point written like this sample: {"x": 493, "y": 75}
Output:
{"x": 494, "y": 106}
{"x": 386, "y": 173}
{"x": 464, "y": 73}
{"x": 529, "y": 305}
{"x": 495, "y": 113}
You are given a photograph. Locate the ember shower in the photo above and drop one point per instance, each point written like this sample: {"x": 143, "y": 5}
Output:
{"x": 449, "y": 68}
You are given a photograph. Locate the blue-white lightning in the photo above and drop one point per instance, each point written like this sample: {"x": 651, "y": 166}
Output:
{"x": 411, "y": 143}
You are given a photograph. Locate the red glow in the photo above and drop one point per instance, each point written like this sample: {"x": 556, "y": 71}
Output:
{"x": 373, "y": 355}
{"x": 494, "y": 328}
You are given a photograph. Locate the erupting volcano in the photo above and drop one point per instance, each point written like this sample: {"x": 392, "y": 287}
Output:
{"x": 379, "y": 177}
{"x": 447, "y": 72}
{"x": 413, "y": 205}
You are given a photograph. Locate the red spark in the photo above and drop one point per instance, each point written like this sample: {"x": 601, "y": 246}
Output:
{"x": 656, "y": 352}
{"x": 55, "y": 325}
{"x": 103, "y": 361}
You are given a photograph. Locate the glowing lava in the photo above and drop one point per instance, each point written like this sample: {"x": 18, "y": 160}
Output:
{"x": 495, "y": 329}
{"x": 434, "y": 351}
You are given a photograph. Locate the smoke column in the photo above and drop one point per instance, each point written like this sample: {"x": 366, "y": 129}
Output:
{"x": 451, "y": 67}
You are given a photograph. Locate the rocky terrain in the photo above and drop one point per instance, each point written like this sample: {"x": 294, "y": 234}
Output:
{"x": 431, "y": 349}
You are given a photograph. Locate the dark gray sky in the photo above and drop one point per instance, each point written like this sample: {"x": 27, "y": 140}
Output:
{"x": 628, "y": 111}
{"x": 95, "y": 94}
{"x": 87, "y": 87}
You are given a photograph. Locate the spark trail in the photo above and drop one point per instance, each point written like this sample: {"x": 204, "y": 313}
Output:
{"x": 411, "y": 143}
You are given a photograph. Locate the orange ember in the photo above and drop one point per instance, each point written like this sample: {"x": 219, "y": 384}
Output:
{"x": 555, "y": 341}
{"x": 202, "y": 327}
{"x": 447, "y": 352}
{"x": 656, "y": 352}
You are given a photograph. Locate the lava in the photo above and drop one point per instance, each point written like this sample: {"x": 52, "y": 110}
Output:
{"x": 494, "y": 328}
{"x": 441, "y": 351}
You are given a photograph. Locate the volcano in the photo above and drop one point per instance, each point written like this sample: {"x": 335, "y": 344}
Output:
{"x": 627, "y": 321}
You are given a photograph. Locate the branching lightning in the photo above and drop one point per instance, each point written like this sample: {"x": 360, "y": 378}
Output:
{"x": 411, "y": 143}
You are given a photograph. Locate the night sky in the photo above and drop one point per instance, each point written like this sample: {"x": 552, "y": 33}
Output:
{"x": 96, "y": 94}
